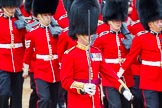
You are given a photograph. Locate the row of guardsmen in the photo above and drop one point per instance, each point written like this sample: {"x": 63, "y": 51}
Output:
{"x": 81, "y": 53}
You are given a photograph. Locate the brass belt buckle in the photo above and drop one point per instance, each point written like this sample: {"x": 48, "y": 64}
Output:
{"x": 120, "y": 60}
{"x": 51, "y": 57}
{"x": 12, "y": 45}
{"x": 161, "y": 64}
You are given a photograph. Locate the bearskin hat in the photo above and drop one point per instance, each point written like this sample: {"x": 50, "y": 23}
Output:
{"x": 67, "y": 5}
{"x": 28, "y": 5}
{"x": 44, "y": 6}
{"x": 10, "y": 3}
{"x": 149, "y": 10}
{"x": 78, "y": 17}
{"x": 115, "y": 10}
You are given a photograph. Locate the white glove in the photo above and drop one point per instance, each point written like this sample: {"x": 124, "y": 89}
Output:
{"x": 127, "y": 94}
{"x": 90, "y": 88}
{"x": 120, "y": 73}
{"x": 25, "y": 70}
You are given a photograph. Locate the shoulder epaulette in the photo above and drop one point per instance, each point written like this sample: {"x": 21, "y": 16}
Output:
{"x": 34, "y": 28}
{"x": 132, "y": 24}
{"x": 100, "y": 22}
{"x": 1, "y": 14}
{"x": 67, "y": 51}
{"x": 103, "y": 33}
{"x": 63, "y": 16}
{"x": 142, "y": 32}
{"x": 95, "y": 48}
{"x": 65, "y": 29}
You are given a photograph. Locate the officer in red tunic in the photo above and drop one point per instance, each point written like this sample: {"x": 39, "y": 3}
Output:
{"x": 82, "y": 63}
{"x": 147, "y": 44}
{"x": 114, "y": 52}
{"x": 11, "y": 55}
{"x": 46, "y": 70}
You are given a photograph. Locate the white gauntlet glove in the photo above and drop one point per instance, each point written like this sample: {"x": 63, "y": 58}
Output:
{"x": 128, "y": 95}
{"x": 25, "y": 70}
{"x": 90, "y": 88}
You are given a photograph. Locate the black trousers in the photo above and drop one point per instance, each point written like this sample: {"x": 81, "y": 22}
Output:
{"x": 152, "y": 99}
{"x": 115, "y": 99}
{"x": 62, "y": 97}
{"x": 138, "y": 101}
{"x": 33, "y": 96}
{"x": 11, "y": 85}
{"x": 47, "y": 93}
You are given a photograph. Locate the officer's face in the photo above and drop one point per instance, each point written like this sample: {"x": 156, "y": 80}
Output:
{"x": 45, "y": 19}
{"x": 156, "y": 25}
{"x": 115, "y": 25}
{"x": 83, "y": 39}
{"x": 9, "y": 11}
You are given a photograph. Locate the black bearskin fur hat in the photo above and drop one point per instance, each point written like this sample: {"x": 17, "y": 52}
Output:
{"x": 10, "y": 3}
{"x": 44, "y": 6}
{"x": 67, "y": 5}
{"x": 115, "y": 10}
{"x": 149, "y": 10}
{"x": 78, "y": 17}
{"x": 28, "y": 5}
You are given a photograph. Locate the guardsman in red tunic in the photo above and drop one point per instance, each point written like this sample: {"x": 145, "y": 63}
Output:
{"x": 46, "y": 70}
{"x": 82, "y": 63}
{"x": 148, "y": 46}
{"x": 11, "y": 55}
{"x": 114, "y": 52}
{"x": 33, "y": 96}
{"x": 64, "y": 42}
{"x": 136, "y": 28}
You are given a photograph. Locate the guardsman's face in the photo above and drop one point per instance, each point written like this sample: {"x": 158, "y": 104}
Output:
{"x": 156, "y": 25}
{"x": 115, "y": 25}
{"x": 9, "y": 11}
{"x": 45, "y": 19}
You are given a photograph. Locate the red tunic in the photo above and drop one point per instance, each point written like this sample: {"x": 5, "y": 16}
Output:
{"x": 11, "y": 58}
{"x": 61, "y": 15}
{"x": 146, "y": 46}
{"x": 45, "y": 68}
{"x": 64, "y": 43}
{"x": 135, "y": 28}
{"x": 75, "y": 68}
{"x": 107, "y": 43}
{"x": 134, "y": 14}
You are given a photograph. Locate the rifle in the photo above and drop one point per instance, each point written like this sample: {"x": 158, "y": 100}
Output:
{"x": 129, "y": 37}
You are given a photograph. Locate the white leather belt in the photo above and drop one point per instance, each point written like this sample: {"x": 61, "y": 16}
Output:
{"x": 9, "y": 46}
{"x": 116, "y": 61}
{"x": 151, "y": 63}
{"x": 46, "y": 57}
